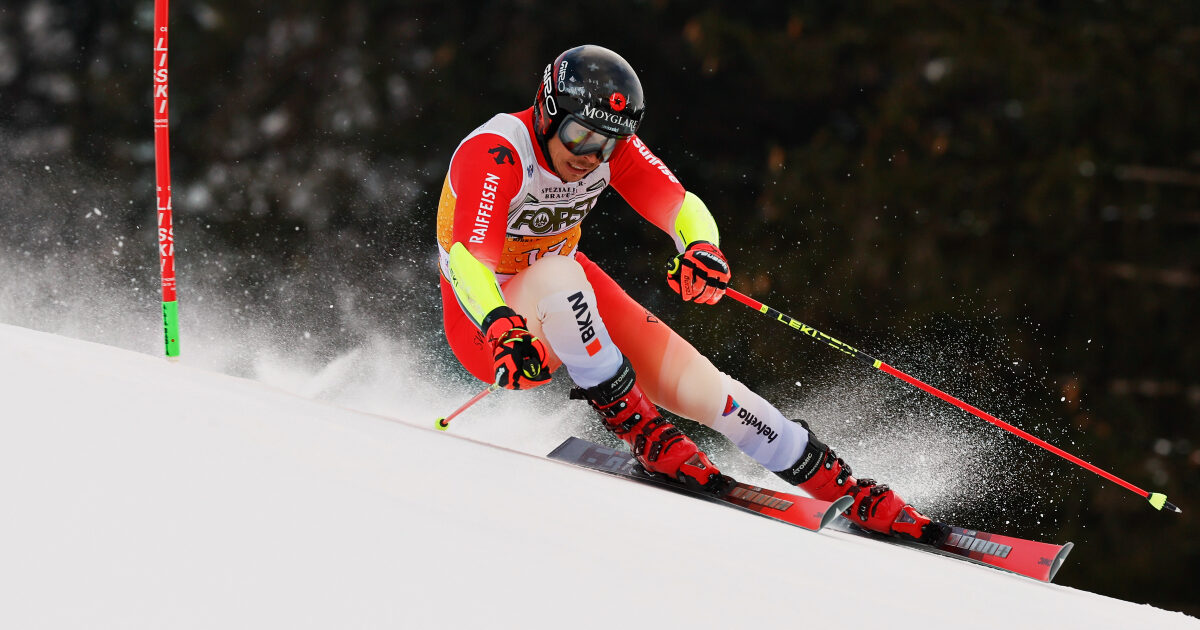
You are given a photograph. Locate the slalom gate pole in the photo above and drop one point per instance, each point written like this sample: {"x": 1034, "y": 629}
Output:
{"x": 444, "y": 423}
{"x": 1159, "y": 501}
{"x": 162, "y": 177}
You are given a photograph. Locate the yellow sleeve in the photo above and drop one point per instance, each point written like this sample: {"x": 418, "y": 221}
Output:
{"x": 474, "y": 284}
{"x": 694, "y": 223}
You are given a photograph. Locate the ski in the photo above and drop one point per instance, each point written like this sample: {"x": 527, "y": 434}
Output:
{"x": 1030, "y": 558}
{"x": 805, "y": 512}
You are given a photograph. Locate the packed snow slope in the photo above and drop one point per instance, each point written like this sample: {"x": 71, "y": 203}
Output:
{"x": 138, "y": 493}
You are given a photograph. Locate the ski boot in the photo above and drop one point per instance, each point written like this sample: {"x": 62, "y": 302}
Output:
{"x": 824, "y": 475}
{"x": 658, "y": 445}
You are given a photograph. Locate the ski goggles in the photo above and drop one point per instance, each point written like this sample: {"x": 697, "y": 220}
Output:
{"x": 581, "y": 139}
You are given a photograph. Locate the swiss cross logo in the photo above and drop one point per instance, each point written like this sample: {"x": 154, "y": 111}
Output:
{"x": 616, "y": 101}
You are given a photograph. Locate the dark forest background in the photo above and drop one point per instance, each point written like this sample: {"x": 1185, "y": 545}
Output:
{"x": 1001, "y": 198}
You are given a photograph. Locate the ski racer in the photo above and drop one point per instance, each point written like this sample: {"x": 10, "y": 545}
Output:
{"x": 520, "y": 300}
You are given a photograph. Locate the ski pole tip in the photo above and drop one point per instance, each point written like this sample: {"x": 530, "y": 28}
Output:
{"x": 1160, "y": 502}
{"x": 441, "y": 424}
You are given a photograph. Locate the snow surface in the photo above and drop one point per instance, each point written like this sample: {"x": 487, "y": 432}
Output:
{"x": 139, "y": 493}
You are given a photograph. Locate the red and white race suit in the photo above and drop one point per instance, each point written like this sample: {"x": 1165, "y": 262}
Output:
{"x": 510, "y": 210}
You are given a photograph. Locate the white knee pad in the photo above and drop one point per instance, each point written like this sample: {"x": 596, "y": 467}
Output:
{"x": 555, "y": 291}
{"x": 572, "y": 326}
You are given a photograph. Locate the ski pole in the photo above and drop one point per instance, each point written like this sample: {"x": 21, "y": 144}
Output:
{"x": 444, "y": 423}
{"x": 1159, "y": 501}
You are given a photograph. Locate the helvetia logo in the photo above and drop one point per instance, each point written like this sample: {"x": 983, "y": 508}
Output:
{"x": 749, "y": 419}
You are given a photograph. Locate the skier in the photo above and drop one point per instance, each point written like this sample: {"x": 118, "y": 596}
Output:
{"x": 520, "y": 300}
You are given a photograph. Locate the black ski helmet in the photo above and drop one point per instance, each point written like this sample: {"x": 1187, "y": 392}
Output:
{"x": 593, "y": 84}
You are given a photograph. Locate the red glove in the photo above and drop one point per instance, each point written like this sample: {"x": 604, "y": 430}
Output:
{"x": 700, "y": 273}
{"x": 520, "y": 358}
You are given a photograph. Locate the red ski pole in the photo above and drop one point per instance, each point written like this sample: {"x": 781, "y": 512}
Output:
{"x": 162, "y": 177}
{"x": 444, "y": 423}
{"x": 1159, "y": 501}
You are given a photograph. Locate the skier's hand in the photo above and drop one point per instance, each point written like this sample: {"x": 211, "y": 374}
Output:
{"x": 520, "y": 358}
{"x": 699, "y": 274}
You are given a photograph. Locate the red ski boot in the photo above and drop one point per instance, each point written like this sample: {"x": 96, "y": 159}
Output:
{"x": 822, "y": 474}
{"x": 656, "y": 443}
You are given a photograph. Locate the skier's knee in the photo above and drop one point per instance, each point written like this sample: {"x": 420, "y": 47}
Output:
{"x": 555, "y": 273}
